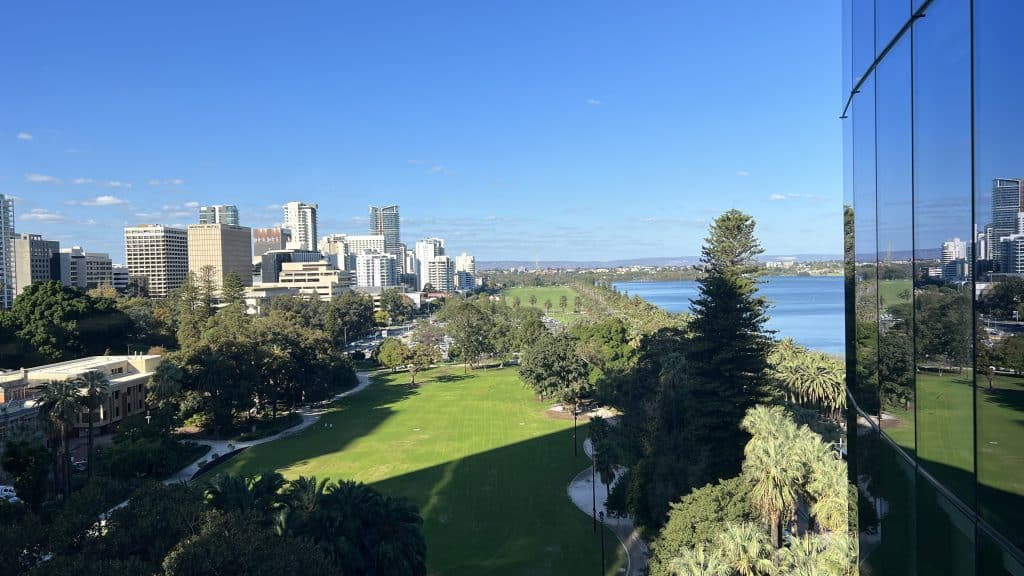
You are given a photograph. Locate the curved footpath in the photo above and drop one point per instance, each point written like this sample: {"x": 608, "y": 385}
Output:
{"x": 581, "y": 493}
{"x": 309, "y": 417}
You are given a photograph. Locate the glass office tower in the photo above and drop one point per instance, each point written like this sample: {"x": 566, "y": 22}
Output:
{"x": 934, "y": 160}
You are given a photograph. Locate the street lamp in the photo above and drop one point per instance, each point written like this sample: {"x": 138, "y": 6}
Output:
{"x": 575, "y": 412}
{"x": 148, "y": 418}
{"x": 601, "y": 515}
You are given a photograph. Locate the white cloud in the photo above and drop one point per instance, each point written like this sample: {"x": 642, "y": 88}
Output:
{"x": 42, "y": 179}
{"x": 105, "y": 200}
{"x": 777, "y": 197}
{"x": 82, "y": 181}
{"x": 742, "y": 173}
{"x": 168, "y": 182}
{"x": 102, "y": 183}
{"x": 192, "y": 204}
{"x": 24, "y": 136}
{"x": 440, "y": 169}
{"x": 593, "y": 101}
{"x": 42, "y": 215}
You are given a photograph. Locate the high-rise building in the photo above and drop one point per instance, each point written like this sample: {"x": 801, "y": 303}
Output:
{"x": 933, "y": 442}
{"x": 160, "y": 254}
{"x": 266, "y": 239}
{"x": 385, "y": 221}
{"x": 221, "y": 249}
{"x": 6, "y": 252}
{"x": 272, "y": 262}
{"x": 426, "y": 250}
{"x": 1007, "y": 195}
{"x": 465, "y": 263}
{"x": 219, "y": 214}
{"x": 300, "y": 218}
{"x": 35, "y": 260}
{"x": 85, "y": 270}
{"x": 376, "y": 270}
{"x": 440, "y": 274}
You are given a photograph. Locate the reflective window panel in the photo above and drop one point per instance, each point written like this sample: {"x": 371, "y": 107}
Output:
{"x": 865, "y": 237}
{"x": 943, "y": 245}
{"x": 890, "y": 16}
{"x": 945, "y": 537}
{"x": 895, "y": 244}
{"x": 999, "y": 267}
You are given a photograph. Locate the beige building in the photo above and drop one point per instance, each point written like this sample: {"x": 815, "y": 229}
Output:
{"x": 222, "y": 247}
{"x": 307, "y": 279}
{"x": 160, "y": 254}
{"x": 127, "y": 375}
{"x": 345, "y": 247}
{"x": 34, "y": 261}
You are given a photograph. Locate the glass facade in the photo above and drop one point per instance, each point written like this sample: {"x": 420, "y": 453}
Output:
{"x": 934, "y": 193}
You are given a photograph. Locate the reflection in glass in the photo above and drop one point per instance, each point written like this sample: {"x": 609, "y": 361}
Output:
{"x": 943, "y": 246}
{"x": 895, "y": 244}
{"x": 999, "y": 213}
{"x": 865, "y": 237}
{"x": 995, "y": 561}
{"x": 890, "y": 16}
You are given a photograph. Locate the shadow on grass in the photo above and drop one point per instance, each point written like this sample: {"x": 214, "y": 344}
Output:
{"x": 362, "y": 414}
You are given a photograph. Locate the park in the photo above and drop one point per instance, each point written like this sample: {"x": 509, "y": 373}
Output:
{"x": 478, "y": 455}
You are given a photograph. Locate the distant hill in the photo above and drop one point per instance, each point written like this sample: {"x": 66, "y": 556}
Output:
{"x": 652, "y": 261}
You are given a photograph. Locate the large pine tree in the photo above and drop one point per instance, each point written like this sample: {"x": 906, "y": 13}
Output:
{"x": 727, "y": 354}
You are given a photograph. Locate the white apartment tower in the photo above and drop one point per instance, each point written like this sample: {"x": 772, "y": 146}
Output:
{"x": 219, "y": 214}
{"x": 6, "y": 252}
{"x": 376, "y": 270}
{"x": 385, "y": 221}
{"x": 158, "y": 253}
{"x": 342, "y": 249}
{"x": 465, "y": 263}
{"x": 440, "y": 273}
{"x": 426, "y": 250}
{"x": 300, "y": 218}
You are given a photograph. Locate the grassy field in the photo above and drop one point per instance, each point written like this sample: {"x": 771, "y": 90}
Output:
{"x": 543, "y": 293}
{"x": 946, "y": 441}
{"x": 889, "y": 292}
{"x": 476, "y": 453}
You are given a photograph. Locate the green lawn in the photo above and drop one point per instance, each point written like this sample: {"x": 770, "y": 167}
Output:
{"x": 889, "y": 291}
{"x": 476, "y": 453}
{"x": 543, "y": 293}
{"x": 946, "y": 440}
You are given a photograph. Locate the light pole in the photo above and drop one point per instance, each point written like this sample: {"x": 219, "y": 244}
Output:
{"x": 601, "y": 514}
{"x": 574, "y": 413}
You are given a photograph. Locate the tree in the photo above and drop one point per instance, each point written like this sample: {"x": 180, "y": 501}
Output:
{"x": 552, "y": 368}
{"x": 604, "y": 464}
{"x": 745, "y": 547}
{"x": 532, "y": 299}
{"x": 420, "y": 358}
{"x": 393, "y": 353}
{"x": 563, "y": 301}
{"x": 395, "y": 304}
{"x": 576, "y": 306}
{"x": 29, "y": 463}
{"x": 516, "y": 302}
{"x": 232, "y": 292}
{"x": 97, "y": 389}
{"x": 699, "y": 561}
{"x": 727, "y": 356}
{"x": 547, "y": 306}
{"x": 253, "y": 496}
{"x": 774, "y": 465}
{"x": 470, "y": 329}
{"x": 60, "y": 405}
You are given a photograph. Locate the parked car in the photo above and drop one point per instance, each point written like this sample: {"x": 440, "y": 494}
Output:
{"x": 7, "y": 493}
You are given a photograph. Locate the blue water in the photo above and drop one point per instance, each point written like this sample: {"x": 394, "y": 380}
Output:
{"x": 806, "y": 309}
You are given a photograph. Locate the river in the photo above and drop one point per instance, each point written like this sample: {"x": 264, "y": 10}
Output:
{"x": 806, "y": 309}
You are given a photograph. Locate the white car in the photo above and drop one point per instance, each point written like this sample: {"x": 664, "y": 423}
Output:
{"x": 7, "y": 493}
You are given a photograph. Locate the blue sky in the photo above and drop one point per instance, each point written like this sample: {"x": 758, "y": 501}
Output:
{"x": 528, "y": 130}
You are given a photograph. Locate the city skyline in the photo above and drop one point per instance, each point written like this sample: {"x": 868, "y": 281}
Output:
{"x": 479, "y": 155}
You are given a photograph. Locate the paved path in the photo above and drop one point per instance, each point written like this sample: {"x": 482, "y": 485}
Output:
{"x": 581, "y": 493}
{"x": 309, "y": 417}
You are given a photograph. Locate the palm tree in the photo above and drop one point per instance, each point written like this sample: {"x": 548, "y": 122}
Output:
{"x": 59, "y": 404}
{"x": 301, "y": 499}
{"x": 533, "y": 299}
{"x": 814, "y": 555}
{"x": 259, "y": 495}
{"x": 563, "y": 301}
{"x": 699, "y": 561}
{"x": 400, "y": 548}
{"x": 547, "y": 306}
{"x": 774, "y": 466}
{"x": 516, "y": 302}
{"x": 745, "y": 547}
{"x": 828, "y": 490}
{"x": 97, "y": 389}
